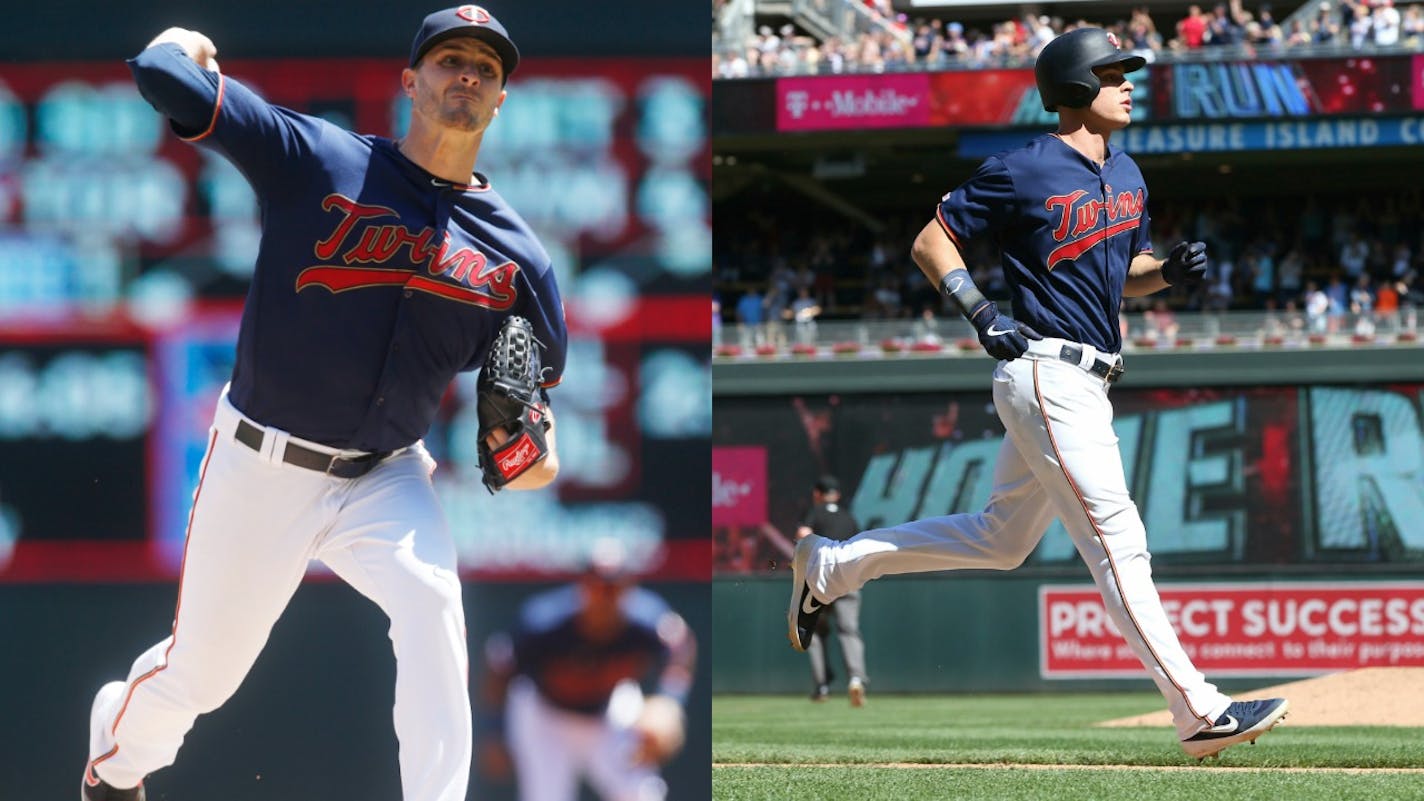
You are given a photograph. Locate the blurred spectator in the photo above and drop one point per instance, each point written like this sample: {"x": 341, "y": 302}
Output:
{"x": 1192, "y": 29}
{"x": 803, "y": 312}
{"x": 751, "y": 313}
{"x": 1362, "y": 305}
{"x": 1353, "y": 254}
{"x": 1339, "y": 297}
{"x": 716, "y": 320}
{"x": 1386, "y": 22}
{"x": 1161, "y": 323}
{"x": 1317, "y": 308}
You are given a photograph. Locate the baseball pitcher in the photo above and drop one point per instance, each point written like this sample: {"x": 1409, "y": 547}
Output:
{"x": 385, "y": 268}
{"x": 1070, "y": 214}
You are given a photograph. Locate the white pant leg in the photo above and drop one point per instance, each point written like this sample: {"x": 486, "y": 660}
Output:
{"x": 610, "y": 765}
{"x": 1062, "y": 414}
{"x": 250, "y": 535}
{"x": 548, "y": 746}
{"x": 1000, "y": 537}
{"x": 391, "y": 543}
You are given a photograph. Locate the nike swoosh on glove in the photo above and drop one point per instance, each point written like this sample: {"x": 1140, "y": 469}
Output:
{"x": 1005, "y": 338}
{"x": 1185, "y": 264}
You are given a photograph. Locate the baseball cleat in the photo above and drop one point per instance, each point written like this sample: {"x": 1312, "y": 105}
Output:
{"x": 93, "y": 788}
{"x": 801, "y": 615}
{"x": 1243, "y": 721}
{"x": 856, "y": 691}
{"x": 821, "y": 693}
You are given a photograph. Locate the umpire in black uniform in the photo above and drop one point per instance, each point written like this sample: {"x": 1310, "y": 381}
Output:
{"x": 829, "y": 519}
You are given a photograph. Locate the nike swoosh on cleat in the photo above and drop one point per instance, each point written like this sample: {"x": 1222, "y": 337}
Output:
{"x": 809, "y": 604}
{"x": 1230, "y": 725}
{"x": 994, "y": 332}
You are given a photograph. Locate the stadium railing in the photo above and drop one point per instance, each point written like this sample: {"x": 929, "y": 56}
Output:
{"x": 946, "y": 336}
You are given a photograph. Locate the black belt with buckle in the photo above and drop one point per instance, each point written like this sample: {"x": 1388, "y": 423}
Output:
{"x": 1107, "y": 371}
{"x": 333, "y": 465}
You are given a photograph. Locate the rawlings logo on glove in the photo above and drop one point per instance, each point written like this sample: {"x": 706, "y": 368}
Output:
{"x": 509, "y": 400}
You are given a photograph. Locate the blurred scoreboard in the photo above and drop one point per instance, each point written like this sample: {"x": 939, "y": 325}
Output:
{"x": 125, "y": 254}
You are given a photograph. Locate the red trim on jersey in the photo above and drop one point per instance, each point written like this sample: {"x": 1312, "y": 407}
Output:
{"x": 1112, "y": 563}
{"x": 939, "y": 215}
{"x": 473, "y": 297}
{"x": 178, "y": 608}
{"x": 217, "y": 107}
{"x": 1076, "y": 248}
{"x": 91, "y": 776}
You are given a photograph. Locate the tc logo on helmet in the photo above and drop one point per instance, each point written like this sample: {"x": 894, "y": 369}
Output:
{"x": 1112, "y": 40}
{"x": 473, "y": 14}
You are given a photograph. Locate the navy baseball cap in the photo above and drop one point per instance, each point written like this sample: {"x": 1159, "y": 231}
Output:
{"x": 472, "y": 21}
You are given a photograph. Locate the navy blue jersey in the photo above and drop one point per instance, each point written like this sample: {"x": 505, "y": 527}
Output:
{"x": 1067, "y": 229}
{"x": 376, "y": 282}
{"x": 577, "y": 674}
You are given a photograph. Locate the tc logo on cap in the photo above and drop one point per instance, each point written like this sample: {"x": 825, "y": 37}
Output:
{"x": 473, "y": 14}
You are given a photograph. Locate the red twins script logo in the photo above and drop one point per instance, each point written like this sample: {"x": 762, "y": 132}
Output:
{"x": 1078, "y": 220}
{"x": 489, "y": 285}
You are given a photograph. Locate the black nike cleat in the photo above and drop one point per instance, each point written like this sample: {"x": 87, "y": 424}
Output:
{"x": 93, "y": 788}
{"x": 1242, "y": 721}
{"x": 804, "y": 609}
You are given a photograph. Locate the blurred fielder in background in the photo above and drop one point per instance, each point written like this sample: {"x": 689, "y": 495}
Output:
{"x": 569, "y": 677}
{"x": 828, "y": 518}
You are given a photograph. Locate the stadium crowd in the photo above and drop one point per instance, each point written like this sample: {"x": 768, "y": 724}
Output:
{"x": 899, "y": 43}
{"x": 1325, "y": 264}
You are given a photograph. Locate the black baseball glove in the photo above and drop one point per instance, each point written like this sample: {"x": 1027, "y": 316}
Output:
{"x": 510, "y": 398}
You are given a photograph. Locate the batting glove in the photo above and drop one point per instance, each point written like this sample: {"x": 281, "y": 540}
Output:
{"x": 1003, "y": 337}
{"x": 1185, "y": 264}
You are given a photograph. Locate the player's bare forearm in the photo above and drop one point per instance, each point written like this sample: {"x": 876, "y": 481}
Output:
{"x": 935, "y": 254}
{"x": 676, "y": 678}
{"x": 1144, "y": 276}
{"x": 198, "y": 47}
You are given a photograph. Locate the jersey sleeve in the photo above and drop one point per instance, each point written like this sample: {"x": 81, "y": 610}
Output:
{"x": 545, "y": 310}
{"x": 982, "y": 205}
{"x": 221, "y": 114}
{"x": 1142, "y": 237}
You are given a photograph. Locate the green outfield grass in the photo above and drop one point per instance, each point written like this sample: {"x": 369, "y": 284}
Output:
{"x": 778, "y": 747}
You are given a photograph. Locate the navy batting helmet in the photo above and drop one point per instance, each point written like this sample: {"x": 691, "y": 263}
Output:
{"x": 1065, "y": 67}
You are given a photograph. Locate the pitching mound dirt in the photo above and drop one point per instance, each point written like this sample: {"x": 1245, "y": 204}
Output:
{"x": 1366, "y": 697}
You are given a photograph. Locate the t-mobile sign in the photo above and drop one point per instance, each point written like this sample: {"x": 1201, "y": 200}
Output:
{"x": 853, "y": 101}
{"x": 1296, "y": 629}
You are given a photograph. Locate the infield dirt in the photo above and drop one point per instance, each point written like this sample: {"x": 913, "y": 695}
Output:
{"x": 1366, "y": 697}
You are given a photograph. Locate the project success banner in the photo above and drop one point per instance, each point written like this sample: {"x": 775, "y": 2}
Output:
{"x": 1242, "y": 629}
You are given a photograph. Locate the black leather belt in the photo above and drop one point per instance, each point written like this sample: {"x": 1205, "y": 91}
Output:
{"x": 1109, "y": 372}
{"x": 339, "y": 466}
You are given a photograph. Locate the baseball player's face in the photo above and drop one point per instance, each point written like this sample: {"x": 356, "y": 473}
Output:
{"x": 457, "y": 84}
{"x": 1114, "y": 103}
{"x": 602, "y": 615}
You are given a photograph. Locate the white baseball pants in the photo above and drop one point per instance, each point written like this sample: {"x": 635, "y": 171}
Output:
{"x": 255, "y": 524}
{"x": 1060, "y": 458}
{"x": 552, "y": 748}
